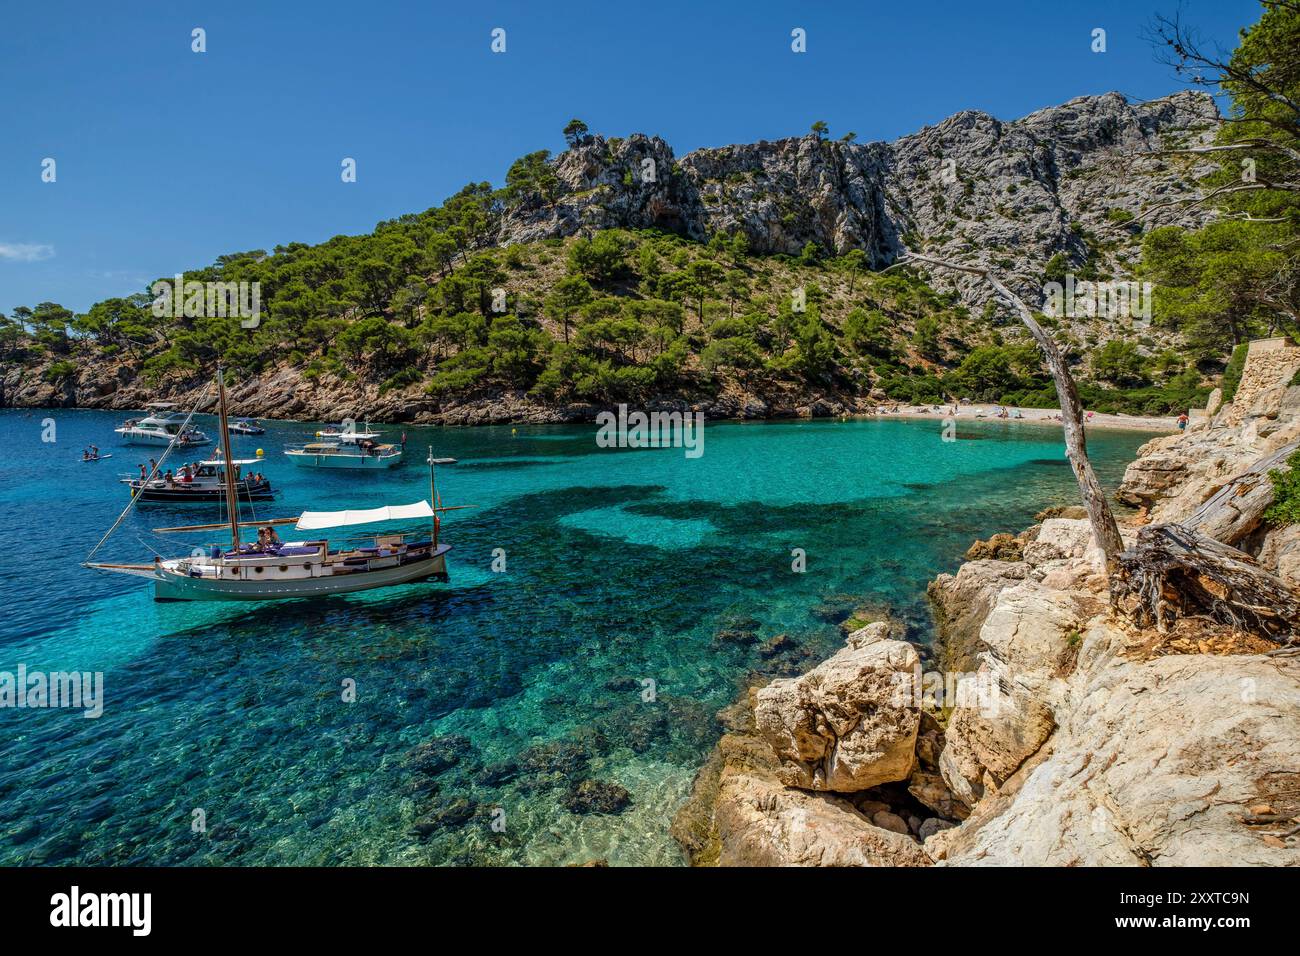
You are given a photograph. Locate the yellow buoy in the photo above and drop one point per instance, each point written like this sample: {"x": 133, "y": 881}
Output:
{"x": 514, "y": 431}
{"x": 260, "y": 453}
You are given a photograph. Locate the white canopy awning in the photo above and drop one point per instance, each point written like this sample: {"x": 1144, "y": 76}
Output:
{"x": 220, "y": 462}
{"x": 316, "y": 520}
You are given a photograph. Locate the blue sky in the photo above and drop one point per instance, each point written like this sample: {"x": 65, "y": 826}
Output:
{"x": 167, "y": 158}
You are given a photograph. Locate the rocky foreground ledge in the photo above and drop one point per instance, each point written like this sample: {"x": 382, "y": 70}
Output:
{"x": 1080, "y": 739}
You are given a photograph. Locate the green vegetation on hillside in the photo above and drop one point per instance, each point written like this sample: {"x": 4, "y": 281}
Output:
{"x": 428, "y": 305}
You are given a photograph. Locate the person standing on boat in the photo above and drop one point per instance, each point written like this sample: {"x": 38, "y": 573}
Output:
{"x": 143, "y": 474}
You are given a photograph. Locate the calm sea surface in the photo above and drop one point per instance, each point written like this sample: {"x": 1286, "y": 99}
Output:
{"x": 622, "y": 567}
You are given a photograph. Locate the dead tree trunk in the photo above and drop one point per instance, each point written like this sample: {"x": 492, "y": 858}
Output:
{"x": 1236, "y": 509}
{"x": 1174, "y": 572}
{"x": 1104, "y": 528}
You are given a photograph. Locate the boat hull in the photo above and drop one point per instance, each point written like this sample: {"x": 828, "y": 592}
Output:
{"x": 171, "y": 586}
{"x": 158, "y": 441}
{"x": 353, "y": 462}
{"x": 207, "y": 496}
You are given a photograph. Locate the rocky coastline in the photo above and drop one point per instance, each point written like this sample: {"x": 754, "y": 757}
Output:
{"x": 285, "y": 393}
{"x": 1073, "y": 738}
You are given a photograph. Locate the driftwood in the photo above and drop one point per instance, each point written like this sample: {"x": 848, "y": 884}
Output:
{"x": 1236, "y": 509}
{"x": 1175, "y": 572}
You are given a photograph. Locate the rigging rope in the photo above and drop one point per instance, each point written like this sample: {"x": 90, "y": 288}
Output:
{"x": 136, "y": 497}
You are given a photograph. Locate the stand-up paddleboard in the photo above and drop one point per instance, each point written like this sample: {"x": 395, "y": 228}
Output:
{"x": 100, "y": 458}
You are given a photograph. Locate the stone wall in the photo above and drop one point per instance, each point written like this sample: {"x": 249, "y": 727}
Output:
{"x": 1269, "y": 363}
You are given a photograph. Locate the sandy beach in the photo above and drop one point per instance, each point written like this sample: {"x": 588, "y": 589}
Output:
{"x": 1040, "y": 416}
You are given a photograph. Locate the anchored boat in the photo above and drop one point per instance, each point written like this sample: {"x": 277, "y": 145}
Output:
{"x": 346, "y": 449}
{"x": 247, "y": 426}
{"x": 274, "y": 570}
{"x": 204, "y": 483}
{"x": 163, "y": 425}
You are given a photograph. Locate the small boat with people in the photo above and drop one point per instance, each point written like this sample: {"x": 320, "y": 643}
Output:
{"x": 271, "y": 569}
{"x": 161, "y": 426}
{"x": 202, "y": 482}
{"x": 247, "y": 426}
{"x": 344, "y": 448}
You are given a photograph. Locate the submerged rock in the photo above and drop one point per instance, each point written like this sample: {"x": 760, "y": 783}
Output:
{"x": 781, "y": 644}
{"x": 597, "y": 796}
{"x": 438, "y": 754}
{"x": 455, "y": 813}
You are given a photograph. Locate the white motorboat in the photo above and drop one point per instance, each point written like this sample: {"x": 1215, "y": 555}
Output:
{"x": 161, "y": 426}
{"x": 346, "y": 449}
{"x": 273, "y": 570}
{"x": 247, "y": 426}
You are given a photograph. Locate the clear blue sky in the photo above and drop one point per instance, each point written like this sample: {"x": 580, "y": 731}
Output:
{"x": 168, "y": 158}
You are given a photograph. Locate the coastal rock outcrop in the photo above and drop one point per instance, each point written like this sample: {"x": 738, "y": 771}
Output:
{"x": 848, "y": 724}
{"x": 1073, "y": 737}
{"x": 741, "y": 814}
{"x": 1155, "y": 763}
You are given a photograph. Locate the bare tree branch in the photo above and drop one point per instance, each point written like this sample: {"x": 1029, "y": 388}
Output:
{"x": 1104, "y": 528}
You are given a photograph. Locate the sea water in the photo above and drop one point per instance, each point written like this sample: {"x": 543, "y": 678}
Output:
{"x": 604, "y": 604}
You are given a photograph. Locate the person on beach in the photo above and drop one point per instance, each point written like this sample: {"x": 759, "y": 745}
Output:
{"x": 1182, "y": 421}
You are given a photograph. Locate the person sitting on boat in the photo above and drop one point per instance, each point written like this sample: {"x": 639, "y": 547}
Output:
{"x": 272, "y": 539}
{"x": 170, "y": 479}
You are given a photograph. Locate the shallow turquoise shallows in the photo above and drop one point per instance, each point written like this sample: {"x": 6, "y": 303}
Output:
{"x": 639, "y": 587}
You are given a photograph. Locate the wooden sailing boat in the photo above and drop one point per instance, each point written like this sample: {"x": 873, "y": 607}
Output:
{"x": 272, "y": 570}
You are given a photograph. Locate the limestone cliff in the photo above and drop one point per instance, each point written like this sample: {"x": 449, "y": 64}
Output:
{"x": 1018, "y": 191}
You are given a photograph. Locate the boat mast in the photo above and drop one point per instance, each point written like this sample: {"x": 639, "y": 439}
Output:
{"x": 433, "y": 498}
{"x": 232, "y": 501}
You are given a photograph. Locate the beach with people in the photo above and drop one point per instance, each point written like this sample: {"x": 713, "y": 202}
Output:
{"x": 1039, "y": 416}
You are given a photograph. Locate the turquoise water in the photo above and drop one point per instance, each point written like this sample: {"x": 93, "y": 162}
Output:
{"x": 621, "y": 567}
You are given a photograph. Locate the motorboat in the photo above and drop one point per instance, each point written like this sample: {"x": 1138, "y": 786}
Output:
{"x": 163, "y": 424}
{"x": 247, "y": 426}
{"x": 346, "y": 449}
{"x": 204, "y": 482}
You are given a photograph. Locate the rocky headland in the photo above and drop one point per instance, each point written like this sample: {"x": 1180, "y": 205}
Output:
{"x": 1074, "y": 737}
